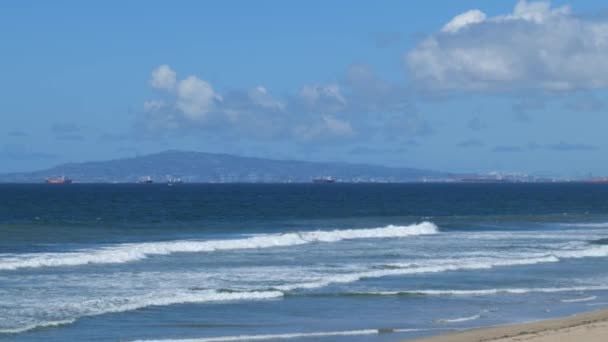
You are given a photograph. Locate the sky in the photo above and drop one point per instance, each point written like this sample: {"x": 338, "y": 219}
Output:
{"x": 460, "y": 86}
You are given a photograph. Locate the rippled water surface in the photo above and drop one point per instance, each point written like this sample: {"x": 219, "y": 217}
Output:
{"x": 331, "y": 262}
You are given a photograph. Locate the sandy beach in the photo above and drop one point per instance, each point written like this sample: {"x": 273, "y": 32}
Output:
{"x": 587, "y": 327}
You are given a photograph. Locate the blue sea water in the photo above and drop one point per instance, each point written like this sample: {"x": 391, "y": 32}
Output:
{"x": 326, "y": 262}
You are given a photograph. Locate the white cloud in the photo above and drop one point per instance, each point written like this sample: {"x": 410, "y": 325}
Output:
{"x": 195, "y": 98}
{"x": 314, "y": 94}
{"x": 462, "y": 20}
{"x": 534, "y": 47}
{"x": 314, "y": 113}
{"x": 261, "y": 97}
{"x": 535, "y": 11}
{"x": 163, "y": 77}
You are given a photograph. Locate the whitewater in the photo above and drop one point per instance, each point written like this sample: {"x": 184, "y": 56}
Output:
{"x": 360, "y": 263}
{"x": 276, "y": 283}
{"x": 138, "y": 251}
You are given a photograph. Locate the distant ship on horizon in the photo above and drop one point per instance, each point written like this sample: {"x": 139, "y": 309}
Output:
{"x": 145, "y": 180}
{"x": 173, "y": 180}
{"x": 483, "y": 180}
{"x": 323, "y": 180}
{"x": 597, "y": 180}
{"x": 58, "y": 180}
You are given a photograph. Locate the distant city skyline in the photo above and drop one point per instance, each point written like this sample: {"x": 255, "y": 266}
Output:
{"x": 467, "y": 86}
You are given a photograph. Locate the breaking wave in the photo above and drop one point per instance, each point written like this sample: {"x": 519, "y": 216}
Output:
{"x": 288, "y": 336}
{"x": 96, "y": 307}
{"x": 396, "y": 270}
{"x": 136, "y": 251}
{"x": 487, "y": 292}
{"x": 592, "y": 252}
{"x": 33, "y": 326}
{"x": 576, "y": 300}
{"x": 459, "y": 319}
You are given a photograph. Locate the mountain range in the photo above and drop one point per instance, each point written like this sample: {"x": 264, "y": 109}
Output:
{"x": 199, "y": 167}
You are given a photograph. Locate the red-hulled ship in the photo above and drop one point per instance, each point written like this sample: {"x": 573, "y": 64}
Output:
{"x": 597, "y": 180}
{"x": 58, "y": 180}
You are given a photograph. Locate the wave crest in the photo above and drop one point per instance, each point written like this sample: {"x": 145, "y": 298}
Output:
{"x": 459, "y": 319}
{"x": 485, "y": 292}
{"x": 291, "y": 335}
{"x": 398, "y": 269}
{"x": 577, "y": 300}
{"x": 136, "y": 251}
{"x": 96, "y": 307}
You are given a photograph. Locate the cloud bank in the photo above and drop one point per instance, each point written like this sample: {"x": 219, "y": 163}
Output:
{"x": 359, "y": 105}
{"x": 537, "y": 47}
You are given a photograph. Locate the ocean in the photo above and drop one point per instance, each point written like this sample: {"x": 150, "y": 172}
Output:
{"x": 297, "y": 262}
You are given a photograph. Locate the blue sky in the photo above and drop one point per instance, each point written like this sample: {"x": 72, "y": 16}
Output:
{"x": 450, "y": 85}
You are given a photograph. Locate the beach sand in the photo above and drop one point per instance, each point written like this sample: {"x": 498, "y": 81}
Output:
{"x": 587, "y": 327}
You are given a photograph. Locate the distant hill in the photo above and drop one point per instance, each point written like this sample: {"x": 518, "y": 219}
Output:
{"x": 218, "y": 168}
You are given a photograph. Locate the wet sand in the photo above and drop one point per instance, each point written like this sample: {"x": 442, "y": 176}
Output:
{"x": 587, "y": 327}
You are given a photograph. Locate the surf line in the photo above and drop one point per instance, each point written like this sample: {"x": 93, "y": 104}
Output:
{"x": 294, "y": 335}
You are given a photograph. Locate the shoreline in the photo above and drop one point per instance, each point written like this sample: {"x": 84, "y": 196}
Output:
{"x": 589, "y": 327}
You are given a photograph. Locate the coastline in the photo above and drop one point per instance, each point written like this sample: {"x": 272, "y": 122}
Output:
{"x": 588, "y": 327}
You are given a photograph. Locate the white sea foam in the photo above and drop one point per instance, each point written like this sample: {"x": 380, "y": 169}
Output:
{"x": 286, "y": 336}
{"x": 479, "y": 263}
{"x": 36, "y": 326}
{"x": 459, "y": 319}
{"x": 576, "y": 300}
{"x": 592, "y": 252}
{"x": 101, "y": 306}
{"x": 541, "y": 235}
{"x": 489, "y": 292}
{"x": 136, "y": 251}
{"x": 175, "y": 293}
{"x": 440, "y": 266}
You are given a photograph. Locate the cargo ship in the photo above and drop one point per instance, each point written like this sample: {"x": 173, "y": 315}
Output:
{"x": 324, "y": 180}
{"x": 597, "y": 180}
{"x": 145, "y": 180}
{"x": 172, "y": 180}
{"x": 483, "y": 180}
{"x": 58, "y": 180}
